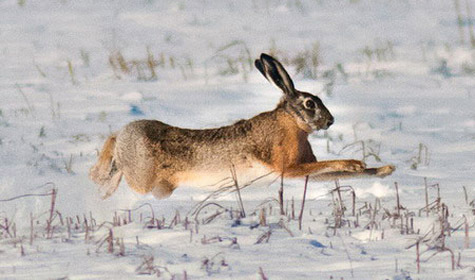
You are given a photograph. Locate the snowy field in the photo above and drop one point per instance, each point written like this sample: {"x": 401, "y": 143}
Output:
{"x": 399, "y": 77}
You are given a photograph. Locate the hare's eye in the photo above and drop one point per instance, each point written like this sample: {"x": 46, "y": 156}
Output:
{"x": 309, "y": 104}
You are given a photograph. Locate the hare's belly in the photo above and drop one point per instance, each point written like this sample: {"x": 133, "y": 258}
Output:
{"x": 217, "y": 177}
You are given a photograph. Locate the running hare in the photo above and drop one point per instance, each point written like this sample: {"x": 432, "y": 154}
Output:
{"x": 156, "y": 157}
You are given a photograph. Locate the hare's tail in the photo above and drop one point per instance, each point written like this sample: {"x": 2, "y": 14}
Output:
{"x": 105, "y": 172}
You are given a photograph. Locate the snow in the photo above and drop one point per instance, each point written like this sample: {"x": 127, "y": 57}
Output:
{"x": 402, "y": 86}
{"x": 376, "y": 190}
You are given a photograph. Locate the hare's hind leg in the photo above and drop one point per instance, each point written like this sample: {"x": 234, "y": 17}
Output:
{"x": 111, "y": 185}
{"x": 159, "y": 187}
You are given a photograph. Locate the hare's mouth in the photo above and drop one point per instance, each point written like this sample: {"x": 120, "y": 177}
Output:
{"x": 322, "y": 124}
{"x": 325, "y": 123}
{"x": 329, "y": 123}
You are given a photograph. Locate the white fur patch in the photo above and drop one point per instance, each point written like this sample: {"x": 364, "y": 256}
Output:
{"x": 216, "y": 178}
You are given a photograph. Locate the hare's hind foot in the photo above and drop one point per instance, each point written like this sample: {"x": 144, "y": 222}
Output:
{"x": 111, "y": 185}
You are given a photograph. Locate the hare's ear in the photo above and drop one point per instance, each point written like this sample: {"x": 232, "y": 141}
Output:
{"x": 275, "y": 73}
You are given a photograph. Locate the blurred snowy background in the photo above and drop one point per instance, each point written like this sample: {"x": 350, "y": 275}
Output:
{"x": 397, "y": 75}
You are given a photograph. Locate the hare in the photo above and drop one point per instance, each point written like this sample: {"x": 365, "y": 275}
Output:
{"x": 156, "y": 157}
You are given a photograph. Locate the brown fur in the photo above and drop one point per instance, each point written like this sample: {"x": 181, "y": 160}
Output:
{"x": 156, "y": 157}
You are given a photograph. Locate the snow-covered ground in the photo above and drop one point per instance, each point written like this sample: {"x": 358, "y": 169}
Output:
{"x": 395, "y": 75}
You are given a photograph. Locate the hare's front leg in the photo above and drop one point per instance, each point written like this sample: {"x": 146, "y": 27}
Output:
{"x": 379, "y": 172}
{"x": 322, "y": 167}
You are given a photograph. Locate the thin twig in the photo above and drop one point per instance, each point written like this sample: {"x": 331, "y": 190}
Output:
{"x": 303, "y": 203}
{"x": 236, "y": 184}
{"x": 31, "y": 109}
{"x": 26, "y": 195}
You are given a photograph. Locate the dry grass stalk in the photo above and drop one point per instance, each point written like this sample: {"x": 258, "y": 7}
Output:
{"x": 68, "y": 225}
{"x": 426, "y": 187}
{"x": 60, "y": 216}
{"x": 418, "y": 257}
{"x": 303, "y": 203}
{"x": 6, "y": 227}
{"x": 338, "y": 207}
{"x": 186, "y": 223}
{"x": 212, "y": 265}
{"x": 151, "y": 220}
{"x": 176, "y": 220}
{"x": 423, "y": 157}
{"x": 71, "y": 72}
{"x": 264, "y": 237}
{"x": 151, "y": 63}
{"x": 41, "y": 72}
{"x": 93, "y": 221}
{"x": 86, "y": 236}
{"x": 224, "y": 186}
{"x": 30, "y": 107}
{"x": 292, "y": 207}
{"x": 121, "y": 247}
{"x": 210, "y": 218}
{"x": 32, "y": 232}
{"x": 284, "y": 226}
{"x": 117, "y": 61}
{"x": 373, "y": 212}
{"x": 262, "y": 275}
{"x": 281, "y": 194}
{"x": 110, "y": 242}
{"x": 211, "y": 240}
{"x": 232, "y": 59}
{"x": 54, "y": 107}
{"x": 398, "y": 204}
{"x": 463, "y": 222}
{"x": 129, "y": 216}
{"x": 155, "y": 224}
{"x": 308, "y": 62}
{"x": 466, "y": 230}
{"x": 147, "y": 267}
{"x": 459, "y": 22}
{"x": 49, "y": 222}
{"x": 236, "y": 184}
{"x": 458, "y": 260}
{"x": 465, "y": 193}
{"x": 68, "y": 164}
{"x": 470, "y": 23}
{"x": 115, "y": 220}
{"x": 198, "y": 211}
{"x": 262, "y": 217}
{"x": 144, "y": 69}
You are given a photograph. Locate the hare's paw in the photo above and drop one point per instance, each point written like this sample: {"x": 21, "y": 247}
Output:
{"x": 385, "y": 170}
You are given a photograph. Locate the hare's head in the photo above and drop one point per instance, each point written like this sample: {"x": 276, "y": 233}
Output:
{"x": 306, "y": 108}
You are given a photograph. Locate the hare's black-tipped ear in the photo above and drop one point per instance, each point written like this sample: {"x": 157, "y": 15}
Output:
{"x": 260, "y": 67}
{"x": 275, "y": 73}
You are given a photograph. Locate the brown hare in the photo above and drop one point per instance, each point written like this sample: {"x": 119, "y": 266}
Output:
{"x": 156, "y": 157}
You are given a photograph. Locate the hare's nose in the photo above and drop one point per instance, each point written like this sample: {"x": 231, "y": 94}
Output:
{"x": 330, "y": 122}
